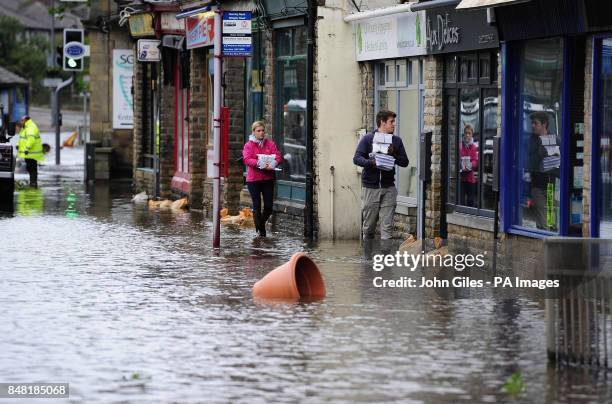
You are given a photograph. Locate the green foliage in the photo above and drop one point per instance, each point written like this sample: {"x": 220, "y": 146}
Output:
{"x": 515, "y": 384}
{"x": 21, "y": 55}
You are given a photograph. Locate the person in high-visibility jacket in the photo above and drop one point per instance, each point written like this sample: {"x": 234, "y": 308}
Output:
{"x": 30, "y": 147}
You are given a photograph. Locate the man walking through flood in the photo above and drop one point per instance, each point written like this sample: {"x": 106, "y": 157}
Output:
{"x": 378, "y": 153}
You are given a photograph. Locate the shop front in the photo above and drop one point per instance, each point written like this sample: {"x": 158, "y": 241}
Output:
{"x": 391, "y": 49}
{"x": 464, "y": 55}
{"x": 556, "y": 120}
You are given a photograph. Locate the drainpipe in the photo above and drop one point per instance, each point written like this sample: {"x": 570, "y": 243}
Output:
{"x": 308, "y": 211}
{"x": 332, "y": 192}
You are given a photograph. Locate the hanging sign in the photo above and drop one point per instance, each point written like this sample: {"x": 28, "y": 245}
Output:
{"x": 237, "y": 33}
{"x": 148, "y": 50}
{"x": 123, "y": 101}
{"x": 200, "y": 30}
{"x": 141, "y": 25}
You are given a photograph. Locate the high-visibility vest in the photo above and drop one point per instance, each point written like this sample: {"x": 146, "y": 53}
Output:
{"x": 33, "y": 143}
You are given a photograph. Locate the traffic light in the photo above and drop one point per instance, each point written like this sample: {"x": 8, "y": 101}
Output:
{"x": 73, "y": 50}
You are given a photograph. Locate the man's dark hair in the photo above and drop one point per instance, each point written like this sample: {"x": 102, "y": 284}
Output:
{"x": 383, "y": 116}
{"x": 541, "y": 117}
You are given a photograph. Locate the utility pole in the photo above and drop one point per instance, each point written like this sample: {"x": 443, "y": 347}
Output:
{"x": 53, "y": 65}
{"x": 217, "y": 132}
{"x": 58, "y": 116}
{"x": 52, "y": 50}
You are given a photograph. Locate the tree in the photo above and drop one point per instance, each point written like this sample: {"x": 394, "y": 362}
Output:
{"x": 21, "y": 55}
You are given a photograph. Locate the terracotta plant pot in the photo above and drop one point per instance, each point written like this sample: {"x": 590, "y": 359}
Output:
{"x": 298, "y": 278}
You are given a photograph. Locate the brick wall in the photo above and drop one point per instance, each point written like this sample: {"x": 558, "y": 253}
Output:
{"x": 198, "y": 125}
{"x": 166, "y": 137}
{"x": 234, "y": 99}
{"x": 143, "y": 179}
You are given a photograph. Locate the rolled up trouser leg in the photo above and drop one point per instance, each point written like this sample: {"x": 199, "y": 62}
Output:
{"x": 388, "y": 202}
{"x": 370, "y": 205}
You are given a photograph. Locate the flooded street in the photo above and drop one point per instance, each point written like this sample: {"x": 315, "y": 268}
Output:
{"x": 132, "y": 305}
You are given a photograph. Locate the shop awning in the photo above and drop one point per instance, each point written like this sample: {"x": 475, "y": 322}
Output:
{"x": 487, "y": 3}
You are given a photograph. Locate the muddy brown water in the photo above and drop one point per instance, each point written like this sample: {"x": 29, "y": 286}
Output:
{"x": 130, "y": 305}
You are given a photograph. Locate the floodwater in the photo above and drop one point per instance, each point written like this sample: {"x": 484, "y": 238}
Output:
{"x": 134, "y": 306}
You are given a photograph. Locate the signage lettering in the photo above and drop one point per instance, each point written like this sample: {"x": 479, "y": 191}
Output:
{"x": 442, "y": 34}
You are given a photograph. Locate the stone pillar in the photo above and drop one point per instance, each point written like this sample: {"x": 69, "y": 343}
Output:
{"x": 433, "y": 123}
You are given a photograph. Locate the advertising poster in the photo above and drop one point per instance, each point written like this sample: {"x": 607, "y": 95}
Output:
{"x": 123, "y": 102}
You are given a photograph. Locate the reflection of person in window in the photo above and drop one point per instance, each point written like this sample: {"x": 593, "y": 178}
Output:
{"x": 543, "y": 166}
{"x": 468, "y": 152}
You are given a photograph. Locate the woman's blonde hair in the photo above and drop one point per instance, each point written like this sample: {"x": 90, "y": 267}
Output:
{"x": 257, "y": 124}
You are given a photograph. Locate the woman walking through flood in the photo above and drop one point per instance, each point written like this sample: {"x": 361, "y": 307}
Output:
{"x": 261, "y": 158}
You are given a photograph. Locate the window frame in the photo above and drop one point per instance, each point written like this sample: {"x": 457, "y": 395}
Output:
{"x": 454, "y": 87}
{"x": 380, "y": 71}
{"x": 511, "y": 99}
{"x": 296, "y": 190}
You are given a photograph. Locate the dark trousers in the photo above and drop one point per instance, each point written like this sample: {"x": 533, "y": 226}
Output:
{"x": 259, "y": 189}
{"x": 468, "y": 194}
{"x": 32, "y": 167}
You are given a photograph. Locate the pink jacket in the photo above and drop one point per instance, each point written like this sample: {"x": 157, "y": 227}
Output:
{"x": 249, "y": 155}
{"x": 470, "y": 151}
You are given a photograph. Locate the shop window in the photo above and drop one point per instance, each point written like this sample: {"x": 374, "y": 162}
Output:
{"x": 404, "y": 96}
{"x": 181, "y": 113}
{"x": 470, "y": 124}
{"x": 290, "y": 111}
{"x": 150, "y": 109}
{"x": 601, "y": 215}
{"x": 537, "y": 153}
{"x": 254, "y": 84}
{"x": 450, "y": 69}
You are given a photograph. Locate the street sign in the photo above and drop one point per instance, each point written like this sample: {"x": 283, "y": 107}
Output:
{"x": 148, "y": 50}
{"x": 74, "y": 50}
{"x": 51, "y": 82}
{"x": 237, "y": 33}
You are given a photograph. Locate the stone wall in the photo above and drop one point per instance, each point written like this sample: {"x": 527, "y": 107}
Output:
{"x": 433, "y": 123}
{"x": 101, "y": 72}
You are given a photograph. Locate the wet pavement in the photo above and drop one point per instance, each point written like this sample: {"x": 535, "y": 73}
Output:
{"x": 134, "y": 306}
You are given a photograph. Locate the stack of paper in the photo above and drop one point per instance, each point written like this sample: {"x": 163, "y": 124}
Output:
{"x": 381, "y": 142}
{"x": 263, "y": 159}
{"x": 384, "y": 161}
{"x": 553, "y": 159}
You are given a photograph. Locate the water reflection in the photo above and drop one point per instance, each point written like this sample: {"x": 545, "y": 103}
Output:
{"x": 119, "y": 290}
